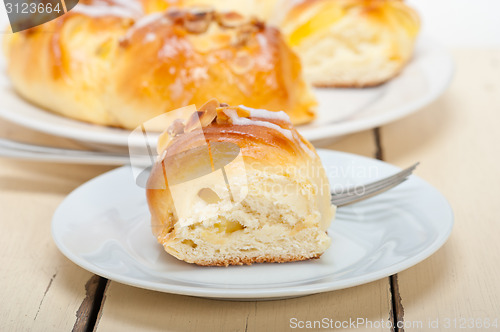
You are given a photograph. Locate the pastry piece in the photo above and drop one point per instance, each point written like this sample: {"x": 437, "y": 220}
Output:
{"x": 241, "y": 187}
{"x": 342, "y": 43}
{"x": 261, "y": 9}
{"x": 108, "y": 62}
{"x": 350, "y": 43}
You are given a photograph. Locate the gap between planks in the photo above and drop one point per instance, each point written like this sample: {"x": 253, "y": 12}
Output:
{"x": 397, "y": 311}
{"x": 88, "y": 314}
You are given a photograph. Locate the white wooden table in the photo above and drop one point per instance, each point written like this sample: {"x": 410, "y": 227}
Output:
{"x": 457, "y": 141}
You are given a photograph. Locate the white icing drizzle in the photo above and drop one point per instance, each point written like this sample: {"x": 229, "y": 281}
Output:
{"x": 101, "y": 11}
{"x": 240, "y": 121}
{"x": 199, "y": 73}
{"x": 150, "y": 36}
{"x": 266, "y": 58}
{"x": 171, "y": 50}
{"x": 265, "y": 114}
{"x": 304, "y": 146}
{"x": 142, "y": 22}
{"x": 146, "y": 20}
{"x": 167, "y": 51}
{"x": 133, "y": 6}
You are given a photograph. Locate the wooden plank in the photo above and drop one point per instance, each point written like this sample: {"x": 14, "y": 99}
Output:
{"x": 130, "y": 309}
{"x": 88, "y": 312}
{"x": 41, "y": 290}
{"x": 457, "y": 141}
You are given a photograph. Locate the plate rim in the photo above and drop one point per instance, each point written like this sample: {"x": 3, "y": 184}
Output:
{"x": 120, "y": 137}
{"x": 267, "y": 293}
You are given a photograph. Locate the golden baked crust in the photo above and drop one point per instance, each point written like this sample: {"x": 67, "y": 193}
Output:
{"x": 265, "y": 226}
{"x": 108, "y": 64}
{"x": 260, "y": 146}
{"x": 342, "y": 43}
{"x": 250, "y": 261}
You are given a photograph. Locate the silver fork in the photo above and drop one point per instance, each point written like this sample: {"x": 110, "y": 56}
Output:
{"x": 360, "y": 193}
{"x": 19, "y": 150}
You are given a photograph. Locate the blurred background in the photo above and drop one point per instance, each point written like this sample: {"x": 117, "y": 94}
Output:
{"x": 461, "y": 22}
{"x": 453, "y": 22}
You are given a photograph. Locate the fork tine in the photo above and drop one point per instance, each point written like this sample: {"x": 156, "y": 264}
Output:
{"x": 377, "y": 184}
{"x": 372, "y": 189}
{"x": 362, "y": 190}
{"x": 404, "y": 173}
{"x": 355, "y": 199}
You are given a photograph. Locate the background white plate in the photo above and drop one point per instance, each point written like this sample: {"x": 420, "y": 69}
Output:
{"x": 103, "y": 226}
{"x": 341, "y": 111}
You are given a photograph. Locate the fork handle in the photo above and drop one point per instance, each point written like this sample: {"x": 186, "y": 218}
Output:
{"x": 16, "y": 150}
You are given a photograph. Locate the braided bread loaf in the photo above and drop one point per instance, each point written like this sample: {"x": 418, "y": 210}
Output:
{"x": 122, "y": 62}
{"x": 342, "y": 43}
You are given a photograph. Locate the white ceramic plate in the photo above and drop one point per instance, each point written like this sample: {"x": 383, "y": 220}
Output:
{"x": 341, "y": 111}
{"x": 103, "y": 226}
